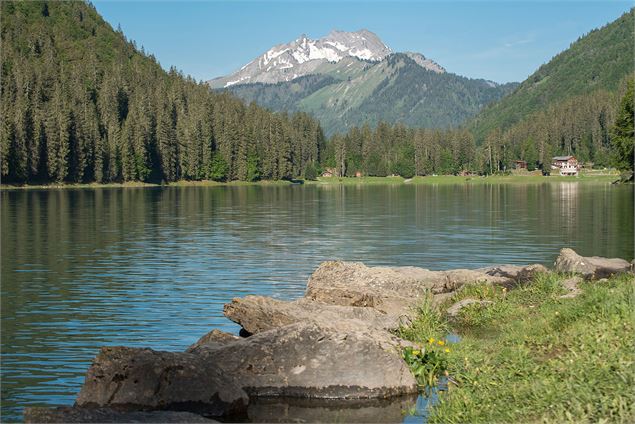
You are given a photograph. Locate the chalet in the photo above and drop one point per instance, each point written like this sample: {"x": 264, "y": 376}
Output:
{"x": 559, "y": 161}
{"x": 329, "y": 172}
{"x": 568, "y": 165}
{"x": 520, "y": 164}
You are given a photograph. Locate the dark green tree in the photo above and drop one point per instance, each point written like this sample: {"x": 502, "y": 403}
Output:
{"x": 622, "y": 132}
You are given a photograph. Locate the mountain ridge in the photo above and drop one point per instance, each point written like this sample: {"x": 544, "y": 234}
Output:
{"x": 364, "y": 83}
{"x": 302, "y": 56}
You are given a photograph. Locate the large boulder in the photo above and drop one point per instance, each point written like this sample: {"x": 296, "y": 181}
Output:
{"x": 67, "y": 414}
{"x": 393, "y": 291}
{"x": 135, "y": 378}
{"x": 591, "y": 267}
{"x": 258, "y": 313}
{"x": 306, "y": 360}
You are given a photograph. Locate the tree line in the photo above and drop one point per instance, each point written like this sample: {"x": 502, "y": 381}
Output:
{"x": 80, "y": 103}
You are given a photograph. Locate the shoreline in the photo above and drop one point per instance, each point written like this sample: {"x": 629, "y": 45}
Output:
{"x": 419, "y": 180}
{"x": 485, "y": 334}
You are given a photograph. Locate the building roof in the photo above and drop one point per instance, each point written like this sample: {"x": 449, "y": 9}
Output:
{"x": 563, "y": 157}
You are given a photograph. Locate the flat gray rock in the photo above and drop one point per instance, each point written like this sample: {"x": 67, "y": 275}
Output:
{"x": 67, "y": 414}
{"x": 135, "y": 378}
{"x": 258, "y": 313}
{"x": 393, "y": 291}
{"x": 304, "y": 360}
{"x": 591, "y": 267}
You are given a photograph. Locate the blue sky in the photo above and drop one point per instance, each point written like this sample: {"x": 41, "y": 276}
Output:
{"x": 500, "y": 41}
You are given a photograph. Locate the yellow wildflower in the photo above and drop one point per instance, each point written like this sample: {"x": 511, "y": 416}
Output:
{"x": 431, "y": 340}
{"x": 441, "y": 342}
{"x": 447, "y": 350}
{"x": 416, "y": 352}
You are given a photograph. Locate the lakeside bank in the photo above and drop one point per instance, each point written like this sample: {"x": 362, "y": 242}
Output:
{"x": 545, "y": 325}
{"x": 419, "y": 180}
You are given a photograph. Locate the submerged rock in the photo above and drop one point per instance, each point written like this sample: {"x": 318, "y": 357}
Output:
{"x": 454, "y": 310}
{"x": 135, "y": 378}
{"x": 591, "y": 267}
{"x": 258, "y": 313}
{"x": 306, "y": 360}
{"x": 67, "y": 414}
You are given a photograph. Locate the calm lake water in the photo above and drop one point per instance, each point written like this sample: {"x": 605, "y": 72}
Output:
{"x": 152, "y": 267}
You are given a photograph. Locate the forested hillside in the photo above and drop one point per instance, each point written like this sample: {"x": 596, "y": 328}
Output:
{"x": 597, "y": 127}
{"x": 568, "y": 105}
{"x": 80, "y": 103}
{"x": 397, "y": 149}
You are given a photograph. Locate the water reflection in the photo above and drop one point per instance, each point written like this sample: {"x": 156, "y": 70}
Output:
{"x": 153, "y": 266}
{"x": 293, "y": 410}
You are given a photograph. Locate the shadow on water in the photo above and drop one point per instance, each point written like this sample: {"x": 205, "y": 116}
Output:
{"x": 407, "y": 409}
{"x": 284, "y": 410}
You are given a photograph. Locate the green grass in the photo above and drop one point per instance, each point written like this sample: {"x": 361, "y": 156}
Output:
{"x": 454, "y": 179}
{"x": 534, "y": 357}
{"x": 513, "y": 179}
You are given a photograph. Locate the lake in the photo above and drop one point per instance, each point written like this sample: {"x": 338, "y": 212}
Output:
{"x": 152, "y": 267}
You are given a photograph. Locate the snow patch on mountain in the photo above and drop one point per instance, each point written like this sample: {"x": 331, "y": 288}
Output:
{"x": 303, "y": 56}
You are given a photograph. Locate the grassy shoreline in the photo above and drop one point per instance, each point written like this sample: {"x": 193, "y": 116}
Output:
{"x": 428, "y": 180}
{"x": 532, "y": 356}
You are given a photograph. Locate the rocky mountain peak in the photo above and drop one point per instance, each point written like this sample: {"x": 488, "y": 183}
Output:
{"x": 302, "y": 56}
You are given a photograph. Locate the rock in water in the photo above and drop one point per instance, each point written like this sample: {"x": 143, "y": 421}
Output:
{"x": 67, "y": 414}
{"x": 307, "y": 361}
{"x": 258, "y": 313}
{"x": 135, "y": 378}
{"x": 592, "y": 267}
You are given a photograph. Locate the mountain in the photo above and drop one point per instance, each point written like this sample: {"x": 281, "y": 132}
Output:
{"x": 600, "y": 60}
{"x": 304, "y": 56}
{"x": 349, "y": 79}
{"x": 580, "y": 103}
{"x": 81, "y": 103}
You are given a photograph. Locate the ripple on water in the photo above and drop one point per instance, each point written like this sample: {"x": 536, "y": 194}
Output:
{"x": 153, "y": 267}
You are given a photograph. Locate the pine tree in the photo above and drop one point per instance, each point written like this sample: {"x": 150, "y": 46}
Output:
{"x": 622, "y": 135}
